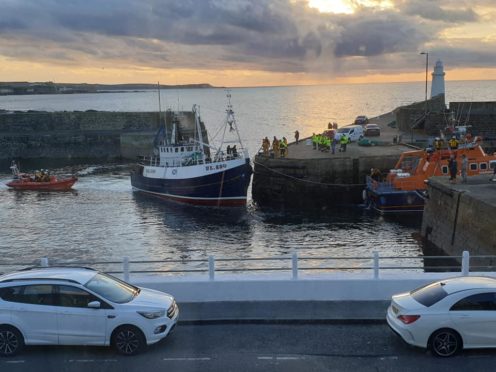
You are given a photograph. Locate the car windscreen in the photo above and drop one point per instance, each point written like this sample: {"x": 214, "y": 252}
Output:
{"x": 111, "y": 288}
{"x": 429, "y": 294}
{"x": 344, "y": 130}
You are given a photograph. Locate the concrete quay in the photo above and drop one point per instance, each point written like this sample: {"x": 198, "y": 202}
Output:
{"x": 461, "y": 216}
{"x": 330, "y": 179}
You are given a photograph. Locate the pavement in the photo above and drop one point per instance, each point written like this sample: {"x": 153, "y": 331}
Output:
{"x": 283, "y": 312}
{"x": 481, "y": 187}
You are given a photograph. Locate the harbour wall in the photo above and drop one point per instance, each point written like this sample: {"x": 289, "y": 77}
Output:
{"x": 461, "y": 217}
{"x": 288, "y": 183}
{"x": 91, "y": 135}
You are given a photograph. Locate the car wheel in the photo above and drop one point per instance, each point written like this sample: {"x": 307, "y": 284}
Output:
{"x": 445, "y": 343}
{"x": 11, "y": 341}
{"x": 128, "y": 340}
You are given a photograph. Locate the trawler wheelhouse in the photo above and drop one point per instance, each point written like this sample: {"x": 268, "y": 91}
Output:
{"x": 191, "y": 170}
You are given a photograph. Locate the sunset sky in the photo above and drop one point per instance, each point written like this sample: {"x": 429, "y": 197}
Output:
{"x": 245, "y": 42}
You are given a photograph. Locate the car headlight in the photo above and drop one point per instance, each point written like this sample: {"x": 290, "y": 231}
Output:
{"x": 152, "y": 314}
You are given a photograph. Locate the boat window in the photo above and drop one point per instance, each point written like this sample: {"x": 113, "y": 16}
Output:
{"x": 189, "y": 148}
{"x": 483, "y": 166}
{"x": 473, "y": 166}
{"x": 444, "y": 169}
{"x": 182, "y": 149}
{"x": 492, "y": 164}
{"x": 409, "y": 164}
{"x": 177, "y": 149}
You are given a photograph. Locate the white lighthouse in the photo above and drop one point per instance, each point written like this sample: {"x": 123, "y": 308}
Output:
{"x": 437, "y": 87}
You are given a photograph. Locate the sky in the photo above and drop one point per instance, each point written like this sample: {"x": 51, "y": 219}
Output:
{"x": 245, "y": 42}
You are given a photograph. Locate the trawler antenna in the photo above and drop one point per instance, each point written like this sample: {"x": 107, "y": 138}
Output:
{"x": 160, "y": 113}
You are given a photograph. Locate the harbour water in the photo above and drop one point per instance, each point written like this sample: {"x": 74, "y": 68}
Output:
{"x": 101, "y": 219}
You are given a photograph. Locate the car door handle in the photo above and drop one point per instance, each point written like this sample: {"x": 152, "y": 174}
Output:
{"x": 111, "y": 316}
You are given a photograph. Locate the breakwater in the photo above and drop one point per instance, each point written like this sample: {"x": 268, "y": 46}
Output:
{"x": 73, "y": 136}
{"x": 460, "y": 217}
{"x": 81, "y": 136}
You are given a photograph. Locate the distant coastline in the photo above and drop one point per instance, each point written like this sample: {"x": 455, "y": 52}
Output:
{"x": 26, "y": 88}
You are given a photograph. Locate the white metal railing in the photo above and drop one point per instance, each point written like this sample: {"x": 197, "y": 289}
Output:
{"x": 294, "y": 264}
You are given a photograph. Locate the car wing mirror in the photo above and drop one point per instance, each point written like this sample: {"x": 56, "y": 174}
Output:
{"x": 94, "y": 305}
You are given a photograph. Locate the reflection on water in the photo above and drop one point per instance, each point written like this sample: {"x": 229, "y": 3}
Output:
{"x": 102, "y": 219}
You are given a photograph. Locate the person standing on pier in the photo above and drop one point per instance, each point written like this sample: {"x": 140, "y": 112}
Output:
{"x": 297, "y": 136}
{"x": 283, "y": 145}
{"x": 343, "y": 141}
{"x": 275, "y": 146}
{"x": 265, "y": 146}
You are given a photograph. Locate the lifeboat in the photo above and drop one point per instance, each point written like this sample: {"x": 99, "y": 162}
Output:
{"x": 27, "y": 182}
{"x": 41, "y": 181}
{"x": 404, "y": 188}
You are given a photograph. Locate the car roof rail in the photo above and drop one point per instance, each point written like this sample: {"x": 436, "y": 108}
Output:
{"x": 30, "y": 279}
{"x": 57, "y": 267}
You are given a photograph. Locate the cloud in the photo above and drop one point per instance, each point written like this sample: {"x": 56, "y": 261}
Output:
{"x": 372, "y": 37}
{"x": 262, "y": 35}
{"x": 452, "y": 12}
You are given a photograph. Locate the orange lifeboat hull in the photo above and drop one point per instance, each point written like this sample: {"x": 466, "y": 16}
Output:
{"x": 55, "y": 184}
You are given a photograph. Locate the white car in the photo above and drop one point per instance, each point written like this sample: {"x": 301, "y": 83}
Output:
{"x": 447, "y": 316}
{"x": 80, "y": 306}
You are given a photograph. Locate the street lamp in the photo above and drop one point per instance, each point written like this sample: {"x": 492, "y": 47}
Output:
{"x": 426, "y": 68}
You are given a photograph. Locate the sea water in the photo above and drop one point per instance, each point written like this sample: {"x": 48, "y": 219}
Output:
{"x": 103, "y": 220}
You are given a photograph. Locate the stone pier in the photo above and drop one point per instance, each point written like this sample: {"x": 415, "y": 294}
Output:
{"x": 78, "y": 136}
{"x": 459, "y": 217}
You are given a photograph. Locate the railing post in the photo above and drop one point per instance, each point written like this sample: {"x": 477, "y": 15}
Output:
{"x": 294, "y": 261}
{"x": 465, "y": 263}
{"x": 376, "y": 265}
{"x": 44, "y": 262}
{"x": 211, "y": 267}
{"x": 125, "y": 268}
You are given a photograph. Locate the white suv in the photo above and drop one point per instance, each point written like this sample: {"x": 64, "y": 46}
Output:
{"x": 80, "y": 306}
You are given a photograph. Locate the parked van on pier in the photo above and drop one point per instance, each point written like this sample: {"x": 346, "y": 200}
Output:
{"x": 354, "y": 132}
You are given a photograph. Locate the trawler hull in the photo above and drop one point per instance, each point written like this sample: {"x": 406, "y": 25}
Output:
{"x": 210, "y": 184}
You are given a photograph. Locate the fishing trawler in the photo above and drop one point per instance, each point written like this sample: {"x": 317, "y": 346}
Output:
{"x": 188, "y": 169}
{"x": 405, "y": 187}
